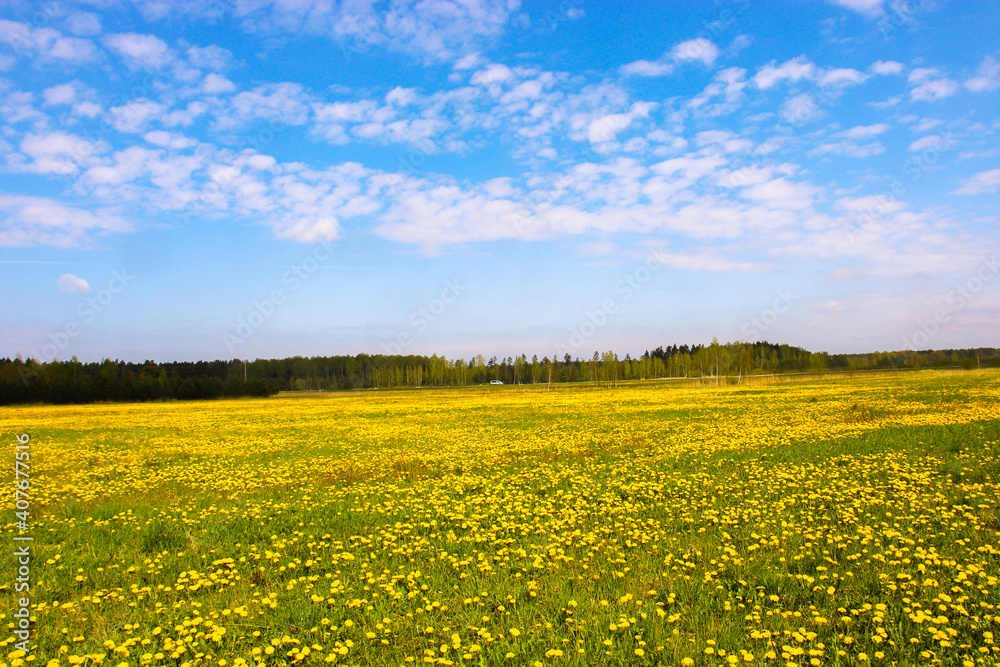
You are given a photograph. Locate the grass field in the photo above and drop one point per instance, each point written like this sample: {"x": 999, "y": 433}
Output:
{"x": 831, "y": 521}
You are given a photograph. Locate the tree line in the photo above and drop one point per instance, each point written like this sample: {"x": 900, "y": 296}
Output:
{"x": 29, "y": 381}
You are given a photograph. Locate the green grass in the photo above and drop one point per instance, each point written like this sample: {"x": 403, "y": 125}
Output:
{"x": 672, "y": 513}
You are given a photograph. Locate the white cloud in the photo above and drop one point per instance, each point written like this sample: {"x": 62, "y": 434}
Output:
{"x": 46, "y": 42}
{"x": 74, "y": 284}
{"x": 800, "y": 109}
{"x": 848, "y": 149}
{"x": 57, "y": 153}
{"x": 699, "y": 49}
{"x": 693, "y": 50}
{"x": 284, "y": 102}
{"x": 83, "y": 24}
{"x": 140, "y": 50}
{"x": 72, "y": 93}
{"x": 793, "y": 70}
{"x": 41, "y": 221}
{"x": 868, "y": 8}
{"x": 692, "y": 167}
{"x": 931, "y": 141}
{"x": 211, "y": 57}
{"x": 886, "y": 67}
{"x": 307, "y": 230}
{"x": 216, "y": 84}
{"x": 703, "y": 261}
{"x": 864, "y": 131}
{"x": 930, "y": 91}
{"x": 495, "y": 73}
{"x": 186, "y": 116}
{"x": 132, "y": 118}
{"x": 984, "y": 181}
{"x": 645, "y": 68}
{"x": 169, "y": 140}
{"x": 874, "y": 205}
{"x": 844, "y": 76}
{"x": 64, "y": 93}
{"x": 729, "y": 142}
{"x": 987, "y": 76}
{"x": 782, "y": 193}
{"x": 605, "y": 128}
{"x": 723, "y": 96}
{"x": 926, "y": 124}
{"x": 436, "y": 30}
{"x": 87, "y": 109}
{"x": 929, "y": 85}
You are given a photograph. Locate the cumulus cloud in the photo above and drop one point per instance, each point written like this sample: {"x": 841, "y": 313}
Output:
{"x": 83, "y": 24}
{"x": 134, "y": 116}
{"x": 169, "y": 140}
{"x": 55, "y": 153}
{"x": 987, "y": 76}
{"x": 782, "y": 193}
{"x": 45, "y": 42}
{"x": 868, "y": 8}
{"x": 842, "y": 76}
{"x": 928, "y": 85}
{"x": 934, "y": 141}
{"x": 793, "y": 70}
{"x": 211, "y": 57}
{"x": 216, "y": 84}
{"x": 64, "y": 93}
{"x": 699, "y": 50}
{"x": 284, "y": 102}
{"x": 307, "y": 230}
{"x": 723, "y": 96}
{"x": 800, "y": 109}
{"x": 69, "y": 283}
{"x": 606, "y": 128}
{"x": 703, "y": 261}
{"x": 848, "y": 149}
{"x": 886, "y": 67}
{"x": 646, "y": 68}
{"x": 983, "y": 182}
{"x": 437, "y": 31}
{"x": 864, "y": 131}
{"x": 42, "y": 221}
{"x": 140, "y": 50}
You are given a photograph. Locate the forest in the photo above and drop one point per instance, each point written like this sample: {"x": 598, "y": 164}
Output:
{"x": 73, "y": 381}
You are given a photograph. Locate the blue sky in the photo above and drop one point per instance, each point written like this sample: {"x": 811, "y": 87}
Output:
{"x": 249, "y": 178}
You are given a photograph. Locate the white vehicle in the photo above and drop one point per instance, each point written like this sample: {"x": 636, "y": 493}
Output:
{"x": 496, "y": 381}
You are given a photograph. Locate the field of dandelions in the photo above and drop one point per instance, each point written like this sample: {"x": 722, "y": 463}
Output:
{"x": 831, "y": 521}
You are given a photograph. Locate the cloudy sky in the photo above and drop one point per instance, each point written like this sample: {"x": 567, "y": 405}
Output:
{"x": 245, "y": 178}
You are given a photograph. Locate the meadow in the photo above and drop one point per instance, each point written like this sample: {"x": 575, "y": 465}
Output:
{"x": 831, "y": 521}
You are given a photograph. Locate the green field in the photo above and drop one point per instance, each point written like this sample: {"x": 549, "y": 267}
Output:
{"x": 822, "y": 521}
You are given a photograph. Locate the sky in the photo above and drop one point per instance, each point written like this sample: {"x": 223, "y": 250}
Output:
{"x": 267, "y": 178}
